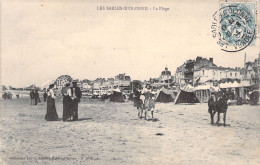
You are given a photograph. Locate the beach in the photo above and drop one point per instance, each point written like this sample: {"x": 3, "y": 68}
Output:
{"x": 112, "y": 133}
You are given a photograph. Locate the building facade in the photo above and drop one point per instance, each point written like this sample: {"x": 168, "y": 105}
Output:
{"x": 166, "y": 76}
{"x": 251, "y": 71}
{"x": 122, "y": 80}
{"x": 185, "y": 73}
{"x": 213, "y": 73}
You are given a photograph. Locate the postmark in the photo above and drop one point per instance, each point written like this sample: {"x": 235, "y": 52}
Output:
{"x": 234, "y": 25}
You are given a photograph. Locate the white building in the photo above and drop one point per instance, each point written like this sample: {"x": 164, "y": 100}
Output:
{"x": 214, "y": 73}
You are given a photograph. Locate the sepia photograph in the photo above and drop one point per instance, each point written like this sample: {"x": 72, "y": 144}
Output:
{"x": 109, "y": 82}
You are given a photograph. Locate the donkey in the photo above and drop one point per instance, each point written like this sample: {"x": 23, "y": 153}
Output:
{"x": 140, "y": 106}
{"x": 218, "y": 105}
{"x": 149, "y": 105}
{"x": 222, "y": 107}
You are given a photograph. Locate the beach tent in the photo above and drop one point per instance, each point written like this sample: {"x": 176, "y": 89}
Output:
{"x": 235, "y": 84}
{"x": 117, "y": 97}
{"x": 254, "y": 97}
{"x": 203, "y": 93}
{"x": 186, "y": 95}
{"x": 165, "y": 95}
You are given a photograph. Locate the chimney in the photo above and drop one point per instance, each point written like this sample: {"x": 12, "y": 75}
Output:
{"x": 211, "y": 60}
{"x": 198, "y": 58}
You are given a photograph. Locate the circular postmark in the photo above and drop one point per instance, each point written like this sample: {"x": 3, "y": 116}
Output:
{"x": 234, "y": 26}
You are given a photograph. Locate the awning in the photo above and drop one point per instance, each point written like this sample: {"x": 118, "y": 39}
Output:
{"x": 188, "y": 88}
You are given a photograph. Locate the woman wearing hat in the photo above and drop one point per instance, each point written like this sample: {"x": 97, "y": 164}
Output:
{"x": 67, "y": 102}
{"x": 51, "y": 114}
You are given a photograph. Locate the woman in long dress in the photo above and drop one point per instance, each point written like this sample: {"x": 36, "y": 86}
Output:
{"x": 67, "y": 102}
{"x": 51, "y": 114}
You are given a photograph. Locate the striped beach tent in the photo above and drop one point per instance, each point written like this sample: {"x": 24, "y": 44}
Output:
{"x": 186, "y": 95}
{"x": 188, "y": 88}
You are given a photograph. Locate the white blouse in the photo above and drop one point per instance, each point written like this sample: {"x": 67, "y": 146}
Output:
{"x": 145, "y": 90}
{"x": 51, "y": 93}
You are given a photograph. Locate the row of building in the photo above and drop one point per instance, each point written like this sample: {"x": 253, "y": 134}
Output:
{"x": 202, "y": 70}
{"x": 196, "y": 72}
{"x": 121, "y": 81}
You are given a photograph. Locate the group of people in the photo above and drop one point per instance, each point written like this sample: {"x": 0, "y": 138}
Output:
{"x": 35, "y": 98}
{"x": 71, "y": 99}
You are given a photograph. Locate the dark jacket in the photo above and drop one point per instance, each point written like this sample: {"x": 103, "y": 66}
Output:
{"x": 212, "y": 104}
{"x": 32, "y": 95}
{"x": 36, "y": 95}
{"x": 78, "y": 92}
{"x": 222, "y": 105}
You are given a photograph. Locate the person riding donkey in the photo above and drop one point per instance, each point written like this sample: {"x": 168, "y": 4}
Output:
{"x": 218, "y": 104}
{"x": 149, "y": 103}
{"x": 138, "y": 101}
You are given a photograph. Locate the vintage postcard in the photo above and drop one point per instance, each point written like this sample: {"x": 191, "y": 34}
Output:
{"x": 129, "y": 82}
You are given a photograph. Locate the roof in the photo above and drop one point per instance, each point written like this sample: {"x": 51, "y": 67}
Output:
{"x": 166, "y": 73}
{"x": 216, "y": 68}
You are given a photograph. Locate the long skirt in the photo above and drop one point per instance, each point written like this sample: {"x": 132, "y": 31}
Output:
{"x": 39, "y": 100}
{"x": 51, "y": 114}
{"x": 135, "y": 99}
{"x": 67, "y": 108}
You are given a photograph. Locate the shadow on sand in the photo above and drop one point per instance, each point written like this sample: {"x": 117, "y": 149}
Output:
{"x": 81, "y": 119}
{"x": 153, "y": 119}
{"x": 220, "y": 124}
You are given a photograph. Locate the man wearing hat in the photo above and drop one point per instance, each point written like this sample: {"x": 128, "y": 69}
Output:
{"x": 75, "y": 94}
{"x": 32, "y": 97}
{"x": 212, "y": 104}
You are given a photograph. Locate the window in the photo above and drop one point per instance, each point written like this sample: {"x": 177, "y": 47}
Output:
{"x": 230, "y": 74}
{"x": 235, "y": 74}
{"x": 202, "y": 72}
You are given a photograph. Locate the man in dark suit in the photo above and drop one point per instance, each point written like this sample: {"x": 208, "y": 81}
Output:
{"x": 45, "y": 96}
{"x": 36, "y": 97}
{"x": 75, "y": 96}
{"x": 32, "y": 97}
{"x": 212, "y": 104}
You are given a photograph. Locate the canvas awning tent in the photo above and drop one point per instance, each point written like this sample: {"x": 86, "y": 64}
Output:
{"x": 207, "y": 87}
{"x": 165, "y": 95}
{"x": 230, "y": 85}
{"x": 186, "y": 95}
{"x": 245, "y": 83}
{"x": 117, "y": 97}
{"x": 202, "y": 92}
{"x": 157, "y": 85}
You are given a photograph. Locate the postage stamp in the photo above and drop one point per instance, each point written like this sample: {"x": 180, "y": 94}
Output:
{"x": 234, "y": 25}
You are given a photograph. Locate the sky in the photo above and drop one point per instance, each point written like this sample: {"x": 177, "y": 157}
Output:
{"x": 41, "y": 40}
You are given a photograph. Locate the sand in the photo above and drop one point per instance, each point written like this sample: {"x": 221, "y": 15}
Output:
{"x": 111, "y": 133}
